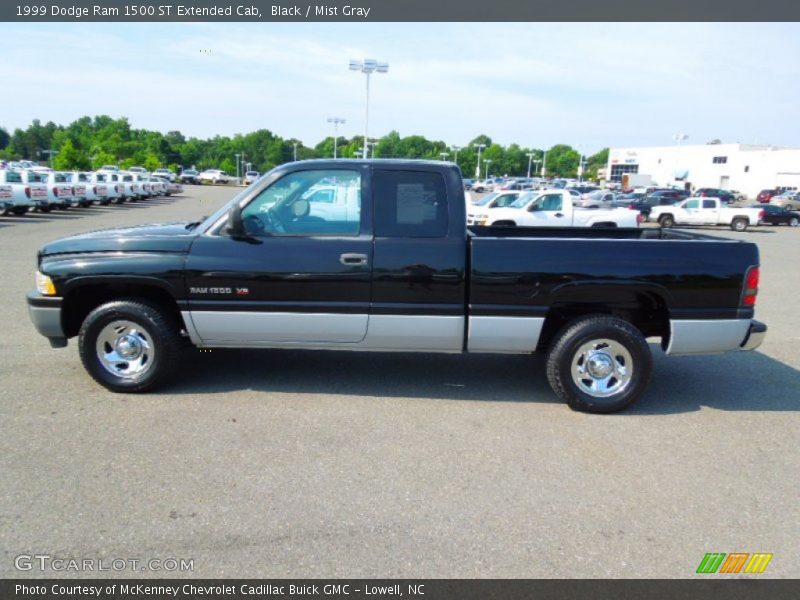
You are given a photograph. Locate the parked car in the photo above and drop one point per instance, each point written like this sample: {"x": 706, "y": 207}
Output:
{"x": 213, "y": 176}
{"x": 775, "y": 215}
{"x": 251, "y": 176}
{"x": 21, "y": 192}
{"x": 132, "y": 188}
{"x": 766, "y": 195}
{"x": 787, "y": 200}
{"x": 83, "y": 192}
{"x": 595, "y": 199}
{"x": 137, "y": 170}
{"x": 724, "y": 196}
{"x": 189, "y": 176}
{"x": 673, "y": 194}
{"x": 493, "y": 200}
{"x": 165, "y": 174}
{"x": 134, "y": 296}
{"x": 59, "y": 189}
{"x": 645, "y": 204}
{"x": 104, "y": 190}
{"x": 554, "y": 208}
{"x": 705, "y": 211}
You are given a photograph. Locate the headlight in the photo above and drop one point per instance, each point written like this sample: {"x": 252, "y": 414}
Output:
{"x": 45, "y": 285}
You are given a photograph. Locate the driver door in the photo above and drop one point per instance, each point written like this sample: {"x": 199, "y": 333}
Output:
{"x": 546, "y": 210}
{"x": 303, "y": 274}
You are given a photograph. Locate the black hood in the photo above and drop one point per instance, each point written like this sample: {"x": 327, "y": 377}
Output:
{"x": 163, "y": 237}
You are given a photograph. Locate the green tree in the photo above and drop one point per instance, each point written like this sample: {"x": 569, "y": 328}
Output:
{"x": 562, "y": 161}
{"x": 70, "y": 158}
{"x": 4, "y": 139}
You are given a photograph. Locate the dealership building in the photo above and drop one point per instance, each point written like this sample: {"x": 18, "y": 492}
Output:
{"x": 747, "y": 168}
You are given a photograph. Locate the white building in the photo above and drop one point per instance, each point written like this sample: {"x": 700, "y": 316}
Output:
{"x": 744, "y": 167}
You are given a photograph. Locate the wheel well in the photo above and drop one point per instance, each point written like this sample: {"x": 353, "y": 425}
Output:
{"x": 605, "y": 224}
{"x": 647, "y": 312}
{"x": 80, "y": 302}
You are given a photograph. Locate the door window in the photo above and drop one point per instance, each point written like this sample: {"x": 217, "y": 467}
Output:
{"x": 307, "y": 203}
{"x": 692, "y": 204}
{"x": 709, "y": 204}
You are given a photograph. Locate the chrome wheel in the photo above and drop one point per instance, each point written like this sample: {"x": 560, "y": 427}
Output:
{"x": 125, "y": 349}
{"x": 602, "y": 368}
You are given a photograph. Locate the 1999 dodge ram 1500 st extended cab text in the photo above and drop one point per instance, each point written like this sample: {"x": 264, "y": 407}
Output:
{"x": 387, "y": 263}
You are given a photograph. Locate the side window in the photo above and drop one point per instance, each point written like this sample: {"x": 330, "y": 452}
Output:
{"x": 552, "y": 202}
{"x": 709, "y": 204}
{"x": 409, "y": 204}
{"x": 306, "y": 203}
{"x": 692, "y": 204}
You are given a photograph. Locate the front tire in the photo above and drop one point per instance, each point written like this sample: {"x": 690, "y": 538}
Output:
{"x": 666, "y": 221}
{"x": 794, "y": 222}
{"x": 130, "y": 345}
{"x": 20, "y": 210}
{"x": 599, "y": 364}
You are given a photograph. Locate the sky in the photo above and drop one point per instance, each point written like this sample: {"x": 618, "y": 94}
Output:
{"x": 589, "y": 85}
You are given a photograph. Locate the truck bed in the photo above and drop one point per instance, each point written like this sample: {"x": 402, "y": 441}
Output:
{"x": 592, "y": 233}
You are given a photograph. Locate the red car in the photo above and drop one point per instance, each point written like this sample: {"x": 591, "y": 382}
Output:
{"x": 766, "y": 195}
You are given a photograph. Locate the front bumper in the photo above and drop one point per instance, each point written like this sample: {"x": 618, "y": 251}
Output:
{"x": 45, "y": 313}
{"x": 755, "y": 335}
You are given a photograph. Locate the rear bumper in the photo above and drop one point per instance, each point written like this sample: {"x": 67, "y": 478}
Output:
{"x": 755, "y": 335}
{"x": 45, "y": 314}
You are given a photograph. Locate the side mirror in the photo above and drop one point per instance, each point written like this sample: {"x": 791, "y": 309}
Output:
{"x": 235, "y": 225}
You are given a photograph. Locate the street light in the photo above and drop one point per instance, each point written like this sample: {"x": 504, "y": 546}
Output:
{"x": 444, "y": 155}
{"x": 237, "y": 155}
{"x": 478, "y": 164}
{"x": 487, "y": 162}
{"x": 336, "y": 122}
{"x": 368, "y": 66}
{"x": 455, "y": 150}
{"x": 536, "y": 164}
{"x": 530, "y": 159}
{"x": 295, "y": 151}
{"x": 544, "y": 163}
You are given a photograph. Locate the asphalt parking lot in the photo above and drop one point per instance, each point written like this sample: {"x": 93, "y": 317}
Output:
{"x": 323, "y": 464}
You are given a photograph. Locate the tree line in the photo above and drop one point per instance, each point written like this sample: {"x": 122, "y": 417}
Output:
{"x": 91, "y": 142}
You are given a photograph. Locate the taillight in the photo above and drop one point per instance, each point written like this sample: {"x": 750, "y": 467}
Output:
{"x": 750, "y": 286}
{"x": 55, "y": 191}
{"x": 28, "y": 192}
{"x": 95, "y": 190}
{"x": 761, "y": 214}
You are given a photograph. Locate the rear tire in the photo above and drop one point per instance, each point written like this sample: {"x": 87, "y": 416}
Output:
{"x": 666, "y": 221}
{"x": 20, "y": 210}
{"x": 130, "y": 345}
{"x": 599, "y": 364}
{"x": 794, "y": 222}
{"x": 739, "y": 225}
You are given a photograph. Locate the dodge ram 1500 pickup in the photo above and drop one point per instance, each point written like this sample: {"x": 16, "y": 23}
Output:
{"x": 386, "y": 263}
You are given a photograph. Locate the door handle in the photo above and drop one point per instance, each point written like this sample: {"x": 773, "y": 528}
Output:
{"x": 559, "y": 214}
{"x": 353, "y": 259}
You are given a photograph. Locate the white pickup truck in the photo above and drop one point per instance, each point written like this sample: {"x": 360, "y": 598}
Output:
{"x": 59, "y": 190}
{"x": 18, "y": 195}
{"x": 706, "y": 211}
{"x": 554, "y": 208}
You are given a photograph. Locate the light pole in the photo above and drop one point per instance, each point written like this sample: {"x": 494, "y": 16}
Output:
{"x": 243, "y": 164}
{"x": 237, "y": 155}
{"x": 487, "y": 162}
{"x": 536, "y": 164}
{"x": 295, "y": 151}
{"x": 530, "y": 159}
{"x": 678, "y": 137}
{"x": 544, "y": 163}
{"x": 336, "y": 122}
{"x": 455, "y": 150}
{"x": 368, "y": 66}
{"x": 478, "y": 164}
{"x": 444, "y": 155}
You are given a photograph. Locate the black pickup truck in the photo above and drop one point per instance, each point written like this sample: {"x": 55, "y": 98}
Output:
{"x": 375, "y": 255}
